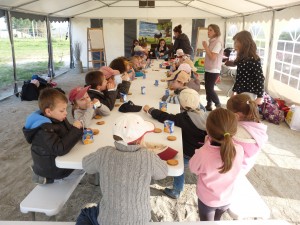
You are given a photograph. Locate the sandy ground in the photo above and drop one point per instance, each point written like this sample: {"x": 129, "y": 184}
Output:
{"x": 276, "y": 175}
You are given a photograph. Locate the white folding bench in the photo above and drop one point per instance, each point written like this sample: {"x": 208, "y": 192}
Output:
{"x": 50, "y": 198}
{"x": 246, "y": 202}
{"x": 223, "y": 222}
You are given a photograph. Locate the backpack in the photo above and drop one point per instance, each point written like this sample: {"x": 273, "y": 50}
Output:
{"x": 270, "y": 110}
{"x": 29, "y": 91}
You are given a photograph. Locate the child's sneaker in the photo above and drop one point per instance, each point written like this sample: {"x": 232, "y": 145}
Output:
{"x": 172, "y": 193}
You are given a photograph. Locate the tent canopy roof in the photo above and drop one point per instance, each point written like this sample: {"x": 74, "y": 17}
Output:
{"x": 130, "y": 8}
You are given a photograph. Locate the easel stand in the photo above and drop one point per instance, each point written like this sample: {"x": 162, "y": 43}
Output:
{"x": 95, "y": 48}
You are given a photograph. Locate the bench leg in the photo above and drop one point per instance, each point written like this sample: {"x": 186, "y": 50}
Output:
{"x": 33, "y": 216}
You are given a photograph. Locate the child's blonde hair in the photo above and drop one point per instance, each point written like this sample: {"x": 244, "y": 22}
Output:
{"x": 221, "y": 125}
{"x": 243, "y": 103}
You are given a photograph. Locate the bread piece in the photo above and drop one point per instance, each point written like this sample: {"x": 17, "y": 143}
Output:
{"x": 100, "y": 122}
{"x": 95, "y": 131}
{"x": 171, "y": 138}
{"x": 157, "y": 130}
{"x": 172, "y": 162}
{"x": 162, "y": 80}
{"x": 117, "y": 105}
{"x": 97, "y": 117}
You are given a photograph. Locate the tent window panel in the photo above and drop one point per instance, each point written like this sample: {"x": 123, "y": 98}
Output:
{"x": 295, "y": 72}
{"x": 294, "y": 83}
{"x": 285, "y": 79}
{"x": 277, "y": 75}
{"x": 278, "y": 66}
{"x": 296, "y": 60}
{"x": 287, "y": 58}
{"x": 286, "y": 69}
{"x": 279, "y": 56}
{"x": 289, "y": 47}
{"x": 280, "y": 46}
{"x": 297, "y": 47}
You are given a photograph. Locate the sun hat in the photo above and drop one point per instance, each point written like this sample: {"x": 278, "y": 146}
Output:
{"x": 189, "y": 99}
{"x": 108, "y": 72}
{"x": 77, "y": 93}
{"x": 190, "y": 62}
{"x": 185, "y": 67}
{"x": 180, "y": 75}
{"x": 131, "y": 127}
{"x": 129, "y": 107}
{"x": 179, "y": 52}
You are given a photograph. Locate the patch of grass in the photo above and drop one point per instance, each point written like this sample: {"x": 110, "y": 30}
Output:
{"x": 31, "y": 57}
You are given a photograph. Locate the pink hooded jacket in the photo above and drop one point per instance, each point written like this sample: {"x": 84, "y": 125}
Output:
{"x": 251, "y": 136}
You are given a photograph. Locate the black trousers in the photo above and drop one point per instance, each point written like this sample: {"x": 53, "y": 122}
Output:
{"x": 207, "y": 213}
{"x": 211, "y": 95}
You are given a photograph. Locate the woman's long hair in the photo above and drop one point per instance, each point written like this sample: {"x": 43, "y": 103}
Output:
{"x": 248, "y": 47}
{"x": 221, "y": 125}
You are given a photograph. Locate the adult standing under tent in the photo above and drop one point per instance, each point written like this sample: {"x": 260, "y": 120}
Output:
{"x": 182, "y": 42}
{"x": 212, "y": 64}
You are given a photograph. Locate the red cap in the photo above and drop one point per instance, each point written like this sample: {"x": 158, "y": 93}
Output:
{"x": 77, "y": 93}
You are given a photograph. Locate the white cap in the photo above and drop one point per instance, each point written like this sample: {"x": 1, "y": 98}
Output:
{"x": 185, "y": 67}
{"x": 131, "y": 127}
{"x": 189, "y": 99}
{"x": 179, "y": 52}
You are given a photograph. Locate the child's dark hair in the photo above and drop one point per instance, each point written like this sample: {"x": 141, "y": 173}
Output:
{"x": 94, "y": 78}
{"x": 221, "y": 125}
{"x": 49, "y": 97}
{"x": 248, "y": 47}
{"x": 244, "y": 104}
{"x": 119, "y": 64}
{"x": 178, "y": 29}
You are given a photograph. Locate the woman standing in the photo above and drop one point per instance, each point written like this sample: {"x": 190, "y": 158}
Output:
{"x": 212, "y": 64}
{"x": 249, "y": 74}
{"x": 182, "y": 42}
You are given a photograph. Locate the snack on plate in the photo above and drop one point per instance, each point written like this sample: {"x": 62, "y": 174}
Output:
{"x": 172, "y": 162}
{"x": 171, "y": 138}
{"x": 164, "y": 152}
{"x": 129, "y": 93}
{"x": 95, "y": 131}
{"x": 100, "y": 122}
{"x": 97, "y": 117}
{"x": 157, "y": 130}
{"x": 117, "y": 105}
{"x": 163, "y": 80}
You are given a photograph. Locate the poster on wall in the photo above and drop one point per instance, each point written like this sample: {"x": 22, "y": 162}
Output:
{"x": 151, "y": 33}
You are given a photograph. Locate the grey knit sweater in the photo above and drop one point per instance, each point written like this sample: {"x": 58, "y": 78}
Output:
{"x": 125, "y": 176}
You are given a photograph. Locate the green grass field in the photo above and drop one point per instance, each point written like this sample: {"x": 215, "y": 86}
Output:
{"x": 31, "y": 58}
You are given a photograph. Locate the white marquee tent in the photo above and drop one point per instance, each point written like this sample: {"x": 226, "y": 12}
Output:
{"x": 268, "y": 21}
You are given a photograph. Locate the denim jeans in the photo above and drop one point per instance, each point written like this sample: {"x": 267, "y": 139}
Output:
{"x": 178, "y": 182}
{"x": 88, "y": 216}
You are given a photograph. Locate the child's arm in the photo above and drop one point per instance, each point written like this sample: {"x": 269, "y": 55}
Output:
{"x": 102, "y": 109}
{"x": 85, "y": 116}
{"x": 110, "y": 98}
{"x": 159, "y": 168}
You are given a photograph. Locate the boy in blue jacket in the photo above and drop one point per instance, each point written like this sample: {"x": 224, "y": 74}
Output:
{"x": 50, "y": 134}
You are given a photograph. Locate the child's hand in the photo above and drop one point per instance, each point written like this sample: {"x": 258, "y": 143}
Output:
{"x": 110, "y": 85}
{"x": 146, "y": 108}
{"x": 77, "y": 124}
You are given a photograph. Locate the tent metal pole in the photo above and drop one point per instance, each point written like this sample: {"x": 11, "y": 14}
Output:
{"x": 72, "y": 66}
{"x": 11, "y": 38}
{"x": 51, "y": 73}
{"x": 271, "y": 43}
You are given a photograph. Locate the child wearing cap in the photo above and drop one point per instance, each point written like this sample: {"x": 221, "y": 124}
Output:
{"x": 100, "y": 86}
{"x": 83, "y": 108}
{"x": 177, "y": 83}
{"x": 50, "y": 134}
{"x": 193, "y": 124}
{"x": 125, "y": 172}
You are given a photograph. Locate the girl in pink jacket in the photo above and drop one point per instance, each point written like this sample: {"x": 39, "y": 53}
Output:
{"x": 251, "y": 133}
{"x": 217, "y": 164}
